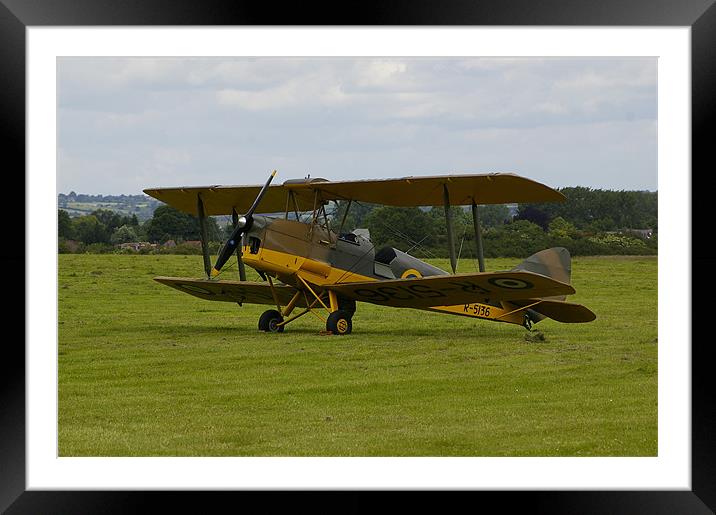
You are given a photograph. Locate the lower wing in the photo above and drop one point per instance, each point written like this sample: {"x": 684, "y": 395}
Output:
{"x": 442, "y": 290}
{"x": 232, "y": 291}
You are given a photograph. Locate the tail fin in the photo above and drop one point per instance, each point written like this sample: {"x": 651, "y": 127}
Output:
{"x": 555, "y": 263}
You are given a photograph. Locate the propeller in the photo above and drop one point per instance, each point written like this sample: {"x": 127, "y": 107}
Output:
{"x": 243, "y": 225}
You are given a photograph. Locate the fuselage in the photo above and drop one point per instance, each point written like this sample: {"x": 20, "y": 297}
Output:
{"x": 287, "y": 248}
{"x": 292, "y": 251}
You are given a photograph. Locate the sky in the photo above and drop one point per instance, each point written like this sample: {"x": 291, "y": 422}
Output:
{"x": 126, "y": 124}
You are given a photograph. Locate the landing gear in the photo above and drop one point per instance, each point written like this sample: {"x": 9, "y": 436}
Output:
{"x": 339, "y": 322}
{"x": 269, "y": 321}
{"x": 340, "y": 311}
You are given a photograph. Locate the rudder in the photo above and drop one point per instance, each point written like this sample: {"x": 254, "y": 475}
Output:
{"x": 555, "y": 263}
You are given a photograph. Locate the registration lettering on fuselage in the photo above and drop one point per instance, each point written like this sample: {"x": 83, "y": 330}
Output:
{"x": 478, "y": 310}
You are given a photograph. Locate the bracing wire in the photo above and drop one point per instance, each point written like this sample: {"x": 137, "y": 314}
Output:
{"x": 418, "y": 243}
{"x": 405, "y": 237}
{"x": 457, "y": 261}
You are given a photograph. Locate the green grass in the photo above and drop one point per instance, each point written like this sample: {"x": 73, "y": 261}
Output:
{"x": 145, "y": 370}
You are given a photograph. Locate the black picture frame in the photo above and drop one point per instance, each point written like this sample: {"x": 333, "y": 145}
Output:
{"x": 16, "y": 15}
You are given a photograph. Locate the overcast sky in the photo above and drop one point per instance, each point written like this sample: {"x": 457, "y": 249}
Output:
{"x": 125, "y": 124}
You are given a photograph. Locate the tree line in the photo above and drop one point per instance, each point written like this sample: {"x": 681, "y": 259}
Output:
{"x": 589, "y": 222}
{"x": 597, "y": 210}
{"x": 103, "y": 230}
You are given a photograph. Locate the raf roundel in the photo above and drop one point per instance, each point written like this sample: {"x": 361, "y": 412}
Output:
{"x": 511, "y": 284}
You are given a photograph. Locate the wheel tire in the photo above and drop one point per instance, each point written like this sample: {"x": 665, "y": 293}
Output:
{"x": 339, "y": 322}
{"x": 347, "y": 305}
{"x": 268, "y": 321}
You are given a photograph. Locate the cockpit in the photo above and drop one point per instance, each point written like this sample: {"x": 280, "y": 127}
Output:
{"x": 349, "y": 237}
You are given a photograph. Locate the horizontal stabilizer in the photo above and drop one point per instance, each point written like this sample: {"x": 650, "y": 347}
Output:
{"x": 566, "y": 312}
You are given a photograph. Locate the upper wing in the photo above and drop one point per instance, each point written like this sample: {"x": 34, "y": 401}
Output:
{"x": 443, "y": 290}
{"x": 232, "y": 291}
{"x": 492, "y": 188}
{"x": 221, "y": 200}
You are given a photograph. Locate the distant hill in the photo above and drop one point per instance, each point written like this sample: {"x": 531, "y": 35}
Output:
{"x": 78, "y": 204}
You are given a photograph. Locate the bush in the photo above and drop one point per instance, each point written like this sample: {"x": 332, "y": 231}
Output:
{"x": 517, "y": 239}
{"x": 124, "y": 234}
{"x": 561, "y": 229}
{"x": 181, "y": 249}
{"x": 620, "y": 244}
{"x": 99, "y": 248}
{"x": 65, "y": 246}
{"x": 189, "y": 249}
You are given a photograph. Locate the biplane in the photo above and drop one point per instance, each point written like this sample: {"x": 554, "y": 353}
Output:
{"x": 310, "y": 265}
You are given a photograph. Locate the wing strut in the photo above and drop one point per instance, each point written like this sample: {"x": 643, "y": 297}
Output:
{"x": 448, "y": 222}
{"x": 242, "y": 269}
{"x": 478, "y": 237}
{"x": 202, "y": 229}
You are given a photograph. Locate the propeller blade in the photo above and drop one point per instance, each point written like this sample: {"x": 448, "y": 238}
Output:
{"x": 243, "y": 225}
{"x": 253, "y": 207}
{"x": 239, "y": 259}
{"x": 230, "y": 246}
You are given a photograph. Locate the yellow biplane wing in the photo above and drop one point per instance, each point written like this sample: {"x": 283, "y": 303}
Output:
{"x": 491, "y": 188}
{"x": 222, "y": 200}
{"x": 442, "y": 290}
{"x": 232, "y": 291}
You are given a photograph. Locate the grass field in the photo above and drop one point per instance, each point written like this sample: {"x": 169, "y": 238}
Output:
{"x": 145, "y": 370}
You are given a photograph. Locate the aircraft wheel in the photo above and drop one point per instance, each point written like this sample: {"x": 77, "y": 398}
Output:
{"x": 339, "y": 322}
{"x": 268, "y": 321}
{"x": 347, "y": 305}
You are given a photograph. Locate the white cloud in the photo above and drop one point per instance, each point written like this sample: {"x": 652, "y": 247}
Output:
{"x": 380, "y": 74}
{"x": 149, "y": 122}
{"x": 294, "y": 94}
